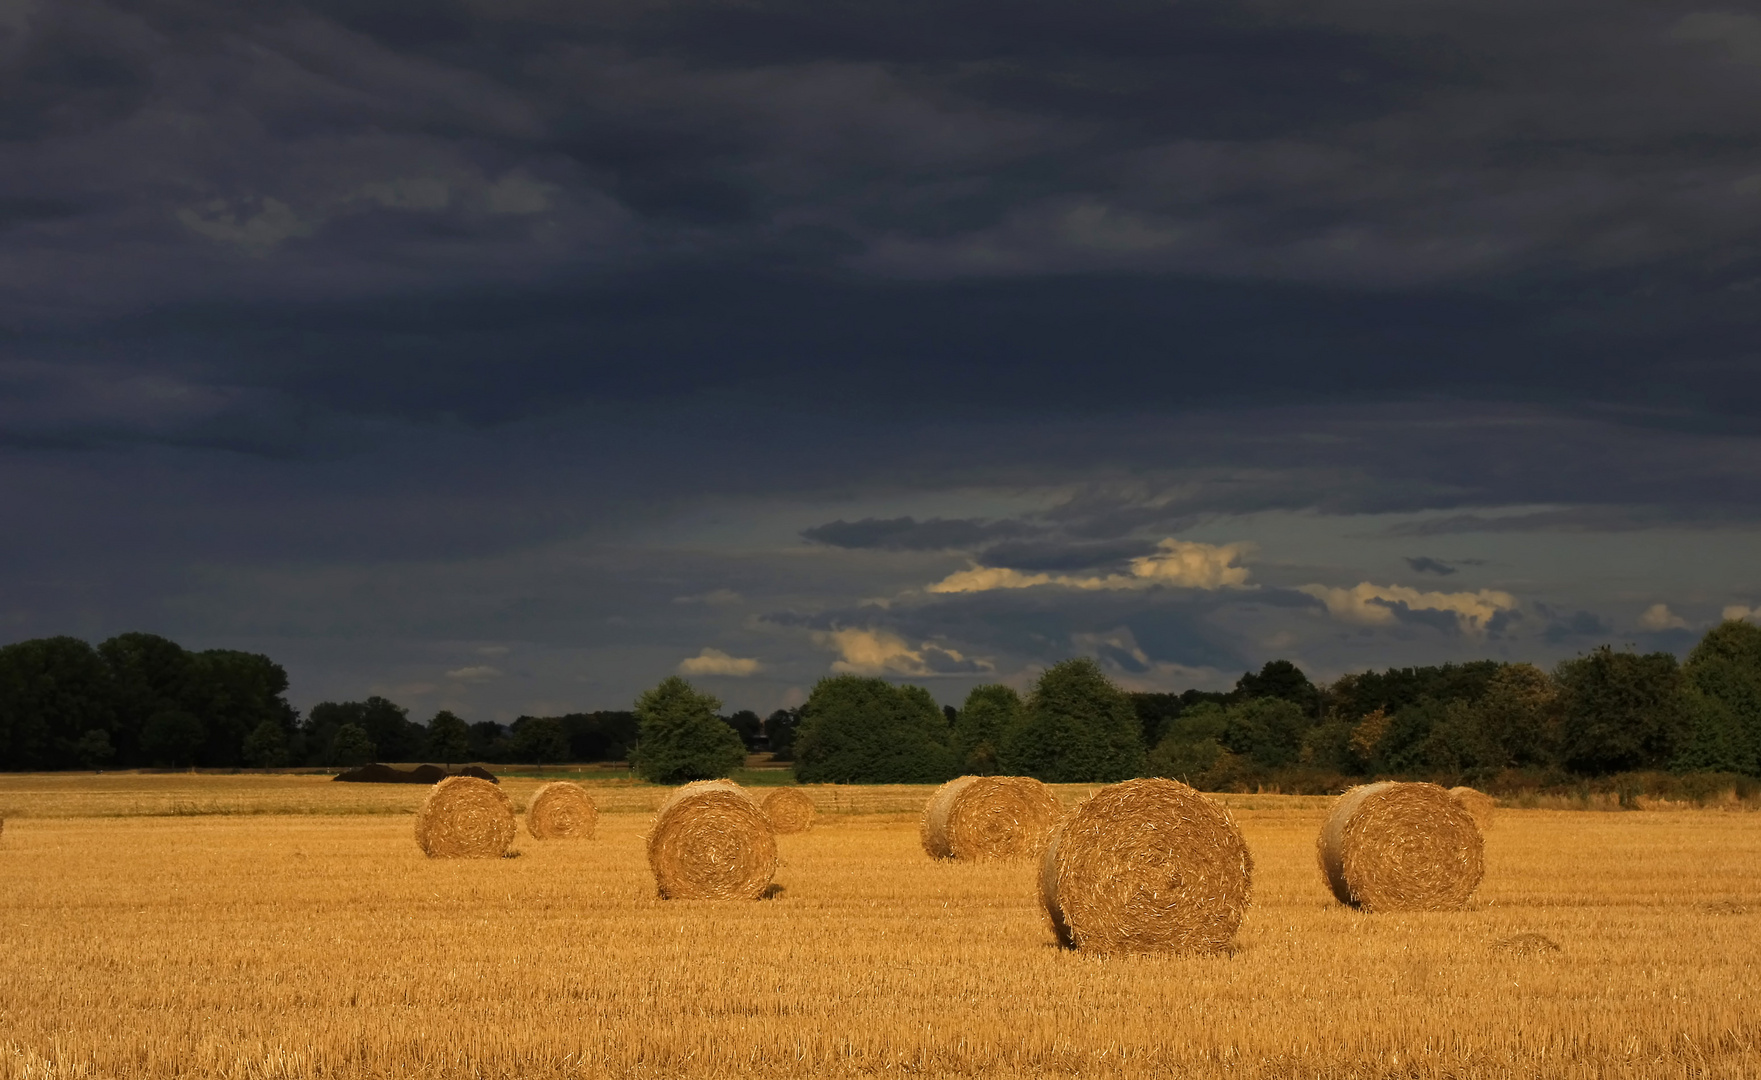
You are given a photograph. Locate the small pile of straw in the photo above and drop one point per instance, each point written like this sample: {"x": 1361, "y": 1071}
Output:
{"x": 1146, "y": 866}
{"x": 561, "y": 811}
{"x": 711, "y": 841}
{"x": 988, "y": 817}
{"x": 1401, "y": 847}
{"x": 465, "y": 818}
{"x": 789, "y": 810}
{"x": 1479, "y": 805}
{"x": 1530, "y": 944}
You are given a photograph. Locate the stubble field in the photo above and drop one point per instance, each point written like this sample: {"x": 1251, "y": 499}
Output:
{"x": 160, "y": 926}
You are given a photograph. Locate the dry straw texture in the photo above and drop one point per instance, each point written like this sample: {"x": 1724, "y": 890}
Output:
{"x": 465, "y": 818}
{"x": 1146, "y": 866}
{"x": 711, "y": 841}
{"x": 1401, "y": 847}
{"x": 789, "y": 810}
{"x": 1479, "y": 805}
{"x": 988, "y": 817}
{"x": 561, "y": 811}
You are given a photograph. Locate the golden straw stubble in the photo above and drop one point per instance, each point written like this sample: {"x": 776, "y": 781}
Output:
{"x": 1394, "y": 846}
{"x": 1479, "y": 805}
{"x": 1146, "y": 866}
{"x": 711, "y": 841}
{"x": 561, "y": 811}
{"x": 790, "y": 810}
{"x": 988, "y": 817}
{"x": 465, "y": 818}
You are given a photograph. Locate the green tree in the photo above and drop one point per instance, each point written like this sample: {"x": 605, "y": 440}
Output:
{"x": 1520, "y": 712}
{"x": 266, "y": 746}
{"x": 1283, "y": 680}
{"x": 93, "y": 749}
{"x": 748, "y": 726}
{"x": 1266, "y": 730}
{"x": 150, "y": 675}
{"x": 1622, "y": 711}
{"x": 449, "y": 738}
{"x": 172, "y": 737}
{"x": 351, "y": 747}
{"x": 779, "y": 731}
{"x": 866, "y": 731}
{"x": 1078, "y": 728}
{"x": 541, "y": 739}
{"x": 52, "y": 692}
{"x": 990, "y": 713}
{"x": 1191, "y": 744}
{"x": 1722, "y": 684}
{"x": 681, "y": 738}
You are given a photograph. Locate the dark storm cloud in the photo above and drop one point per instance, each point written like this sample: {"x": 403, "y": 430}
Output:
{"x": 1424, "y": 564}
{"x": 488, "y": 212}
{"x": 909, "y": 534}
{"x": 1580, "y": 624}
{"x": 351, "y": 317}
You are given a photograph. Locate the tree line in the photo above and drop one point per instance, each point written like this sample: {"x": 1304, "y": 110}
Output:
{"x": 1486, "y": 722}
{"x": 139, "y": 700}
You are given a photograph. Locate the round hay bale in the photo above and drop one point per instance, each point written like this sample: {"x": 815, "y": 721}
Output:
{"x": 988, "y": 817}
{"x": 1146, "y": 866}
{"x": 1479, "y": 805}
{"x": 711, "y": 841}
{"x": 789, "y": 810}
{"x": 1401, "y": 847}
{"x": 465, "y": 818}
{"x": 561, "y": 811}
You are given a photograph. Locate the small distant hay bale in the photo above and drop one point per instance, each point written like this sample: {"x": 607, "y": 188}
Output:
{"x": 712, "y": 841}
{"x": 1526, "y": 945}
{"x": 1146, "y": 866}
{"x": 561, "y": 811}
{"x": 465, "y": 818}
{"x": 980, "y": 818}
{"x": 1479, "y": 805}
{"x": 789, "y": 810}
{"x": 1401, "y": 847}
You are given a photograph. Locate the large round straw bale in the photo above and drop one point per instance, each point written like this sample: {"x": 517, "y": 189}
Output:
{"x": 465, "y": 818}
{"x": 789, "y": 810}
{"x": 1479, "y": 805}
{"x": 561, "y": 811}
{"x": 1146, "y": 866}
{"x": 988, "y": 817}
{"x": 711, "y": 841}
{"x": 1401, "y": 847}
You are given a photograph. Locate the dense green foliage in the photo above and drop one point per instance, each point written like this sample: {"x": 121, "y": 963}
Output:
{"x": 680, "y": 736}
{"x": 135, "y": 700}
{"x": 867, "y": 731}
{"x": 1078, "y": 728}
{"x": 141, "y": 700}
{"x": 990, "y": 714}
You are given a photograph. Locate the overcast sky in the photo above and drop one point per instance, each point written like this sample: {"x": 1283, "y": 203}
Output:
{"x": 510, "y": 356}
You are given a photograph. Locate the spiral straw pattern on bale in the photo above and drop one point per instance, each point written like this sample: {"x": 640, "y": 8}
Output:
{"x": 789, "y": 810}
{"x": 561, "y": 811}
{"x": 988, "y": 817}
{"x": 465, "y": 818}
{"x": 1146, "y": 866}
{"x": 711, "y": 841}
{"x": 1479, "y": 805}
{"x": 1401, "y": 847}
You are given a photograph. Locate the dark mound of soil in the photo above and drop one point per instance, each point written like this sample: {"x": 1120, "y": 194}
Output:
{"x": 421, "y": 774}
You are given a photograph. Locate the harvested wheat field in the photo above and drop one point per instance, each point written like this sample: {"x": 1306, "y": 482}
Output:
{"x": 304, "y": 935}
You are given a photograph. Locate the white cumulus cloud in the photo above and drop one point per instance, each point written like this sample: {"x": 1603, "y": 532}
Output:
{"x": 1377, "y": 605}
{"x": 478, "y": 673}
{"x": 716, "y": 662}
{"x": 1659, "y": 617}
{"x": 881, "y": 652}
{"x": 1739, "y": 611}
{"x": 1184, "y": 563}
